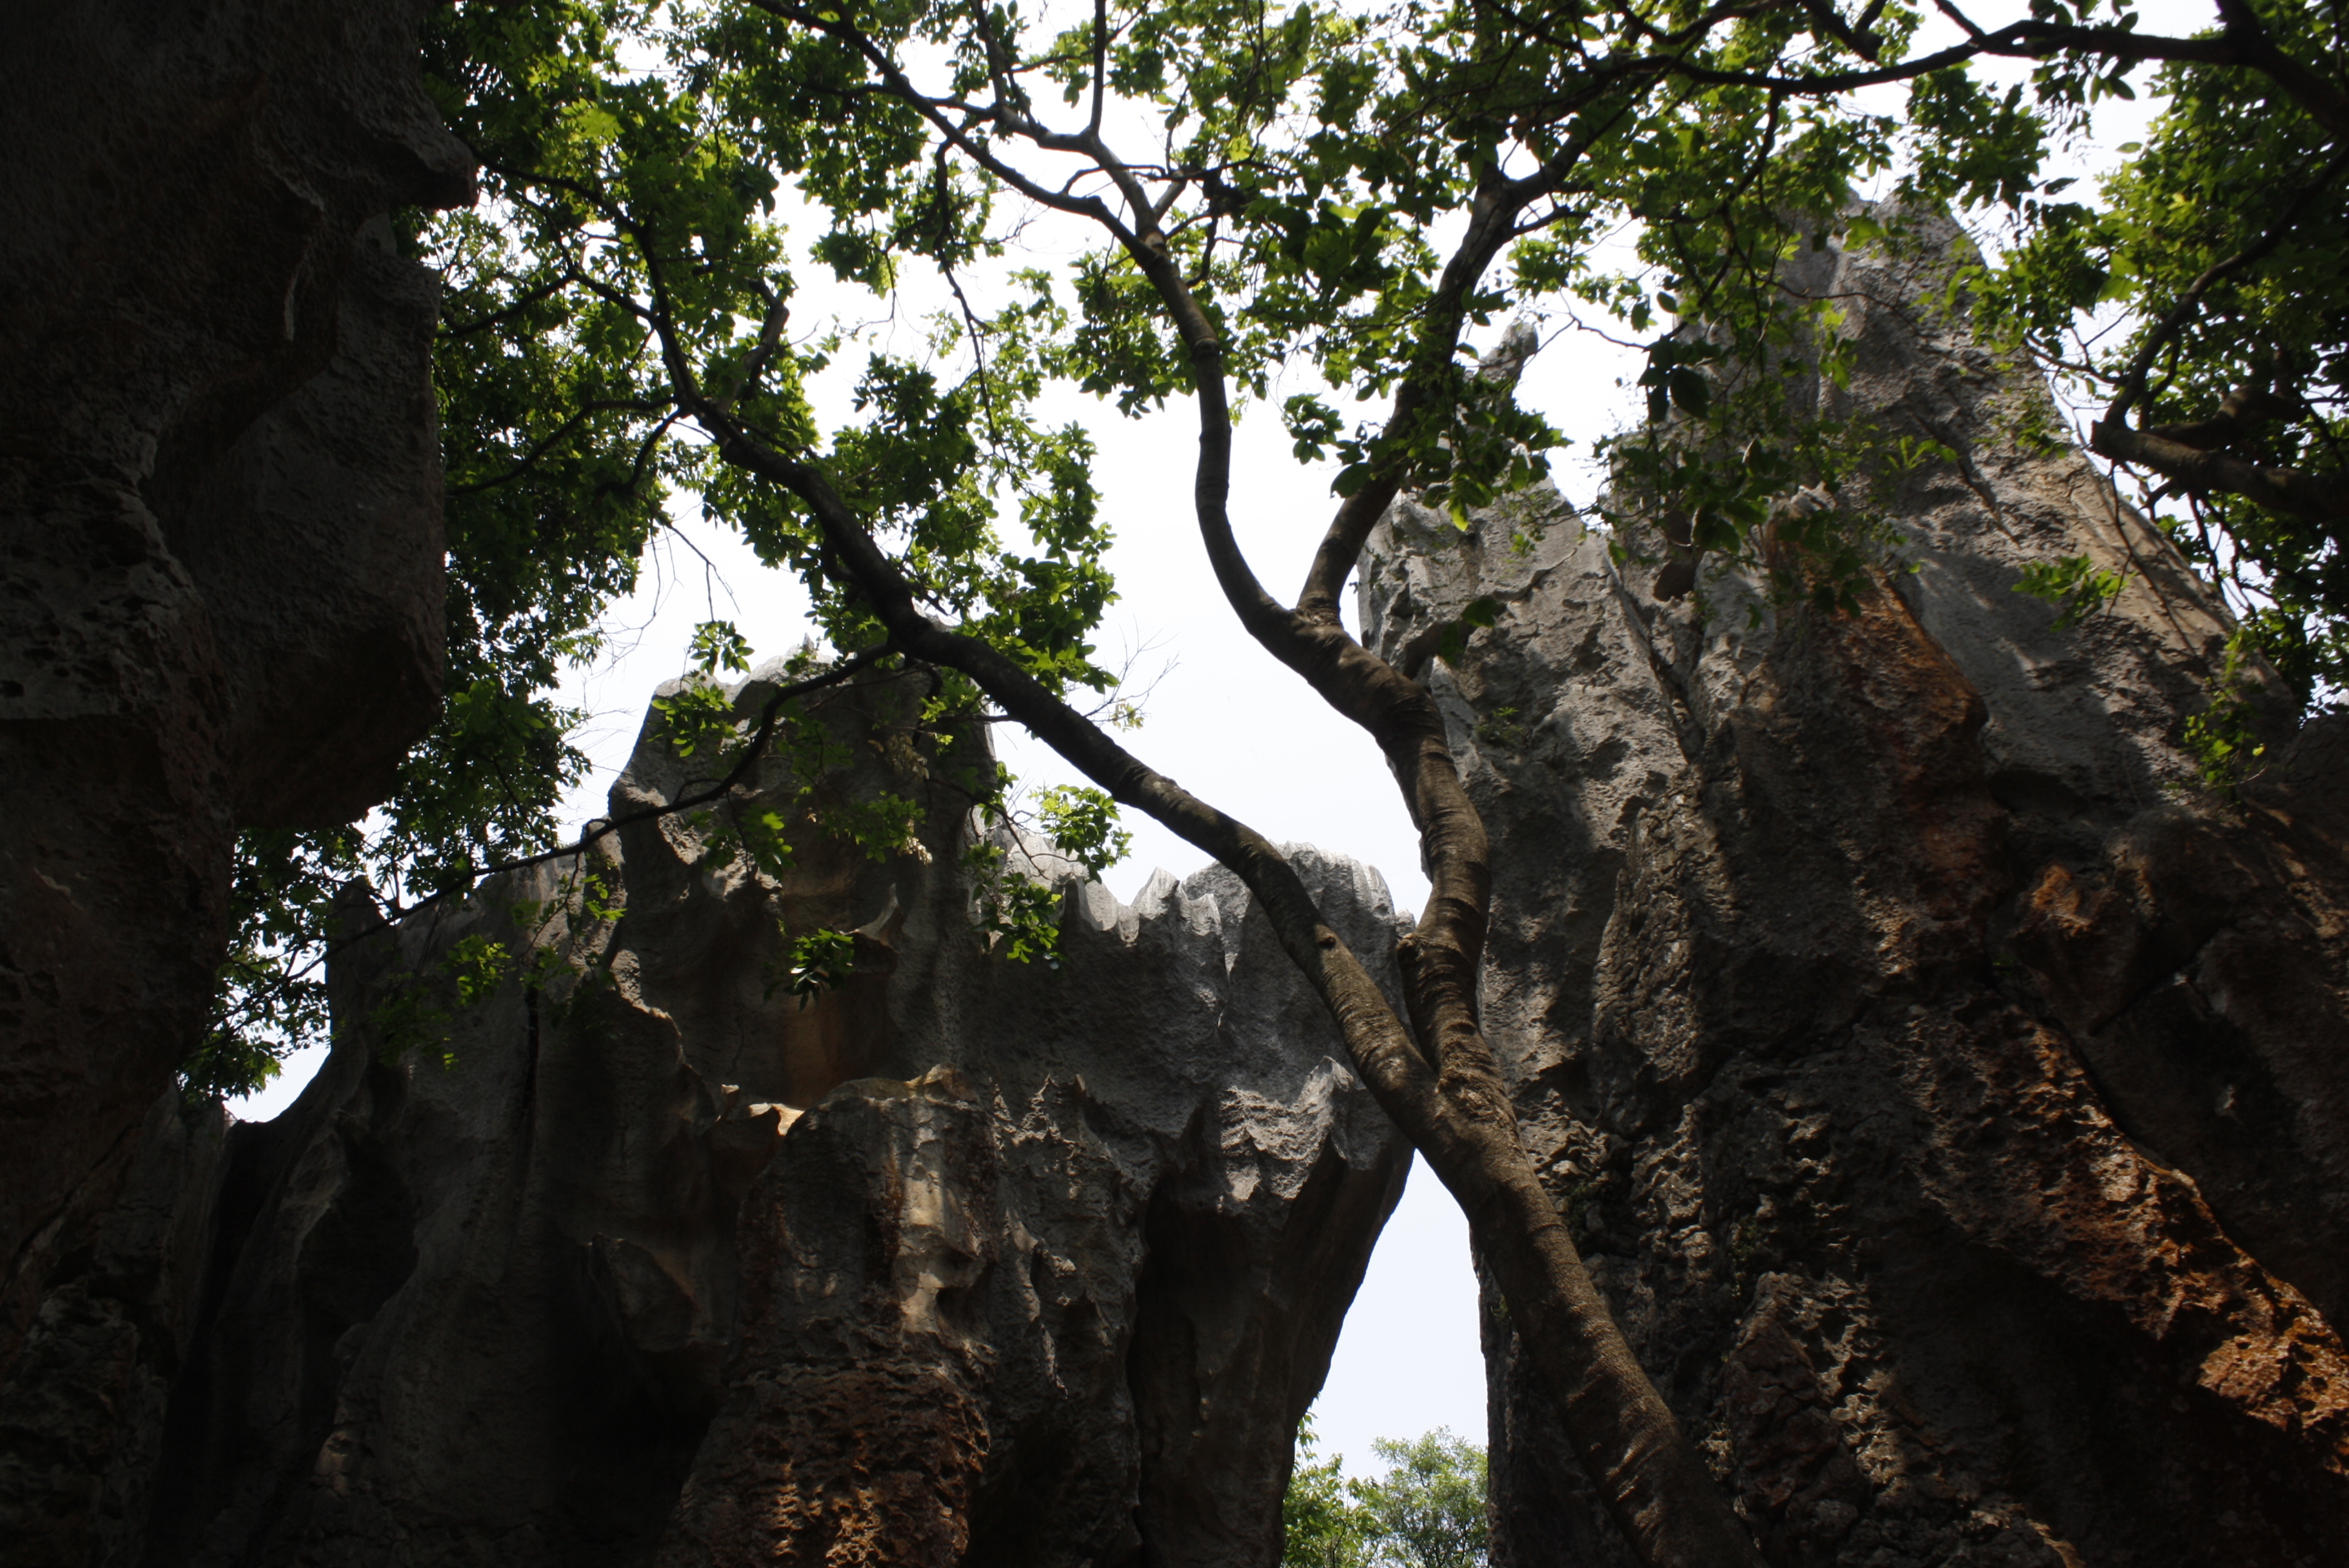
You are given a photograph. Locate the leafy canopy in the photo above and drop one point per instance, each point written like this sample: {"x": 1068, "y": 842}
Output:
{"x": 1336, "y": 198}
{"x": 2235, "y": 206}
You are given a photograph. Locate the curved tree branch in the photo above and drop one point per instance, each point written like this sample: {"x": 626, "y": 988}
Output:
{"x": 1491, "y": 225}
{"x": 1656, "y": 1486}
{"x": 2320, "y": 499}
{"x": 2243, "y": 41}
{"x": 1449, "y": 1100}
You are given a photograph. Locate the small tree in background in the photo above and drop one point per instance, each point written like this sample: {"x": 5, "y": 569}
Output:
{"x": 1426, "y": 1512}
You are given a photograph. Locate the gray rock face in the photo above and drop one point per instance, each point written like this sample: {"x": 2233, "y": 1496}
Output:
{"x": 1949, "y": 1093}
{"x": 959, "y": 1260}
{"x": 220, "y": 540}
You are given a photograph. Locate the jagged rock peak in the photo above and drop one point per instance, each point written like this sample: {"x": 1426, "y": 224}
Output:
{"x": 1951, "y": 1095}
{"x": 969, "y": 1260}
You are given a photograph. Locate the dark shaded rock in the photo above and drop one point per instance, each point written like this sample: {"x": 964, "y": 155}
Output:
{"x": 219, "y": 543}
{"x": 1947, "y": 1090}
{"x": 959, "y": 1261}
{"x": 315, "y": 542}
{"x": 81, "y": 1418}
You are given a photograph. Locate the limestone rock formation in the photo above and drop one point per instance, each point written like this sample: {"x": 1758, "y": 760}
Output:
{"x": 1949, "y": 1092}
{"x": 219, "y": 543}
{"x": 956, "y": 1260}
{"x": 82, "y": 1414}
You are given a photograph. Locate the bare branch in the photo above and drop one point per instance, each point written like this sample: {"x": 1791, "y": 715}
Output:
{"x": 2243, "y": 42}
{"x": 933, "y": 109}
{"x": 1100, "y": 63}
{"x": 1491, "y": 225}
{"x": 771, "y": 338}
{"x": 2320, "y": 499}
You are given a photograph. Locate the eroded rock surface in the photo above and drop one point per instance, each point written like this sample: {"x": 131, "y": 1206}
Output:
{"x": 220, "y": 539}
{"x": 959, "y": 1260}
{"x": 1947, "y": 1091}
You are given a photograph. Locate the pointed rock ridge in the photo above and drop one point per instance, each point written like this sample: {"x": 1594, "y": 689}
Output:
{"x": 1952, "y": 1096}
{"x": 958, "y": 1260}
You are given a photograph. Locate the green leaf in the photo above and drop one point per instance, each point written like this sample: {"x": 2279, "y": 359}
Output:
{"x": 821, "y": 960}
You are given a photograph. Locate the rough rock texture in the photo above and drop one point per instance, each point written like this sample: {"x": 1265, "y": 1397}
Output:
{"x": 220, "y": 547}
{"x": 82, "y": 1416}
{"x": 961, "y": 1261}
{"x": 1950, "y": 1093}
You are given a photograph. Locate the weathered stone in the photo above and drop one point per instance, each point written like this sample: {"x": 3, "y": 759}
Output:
{"x": 1947, "y": 1091}
{"x": 219, "y": 527}
{"x": 81, "y": 1421}
{"x": 960, "y": 1261}
{"x": 316, "y": 544}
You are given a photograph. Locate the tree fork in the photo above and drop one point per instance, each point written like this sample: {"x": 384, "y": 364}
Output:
{"x": 1656, "y": 1486}
{"x": 1657, "y": 1489}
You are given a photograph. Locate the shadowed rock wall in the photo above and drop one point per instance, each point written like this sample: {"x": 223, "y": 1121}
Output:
{"x": 220, "y": 546}
{"x": 1948, "y": 1092}
{"x": 961, "y": 1261}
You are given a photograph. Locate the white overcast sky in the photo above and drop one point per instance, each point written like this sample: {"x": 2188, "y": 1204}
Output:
{"x": 1233, "y": 726}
